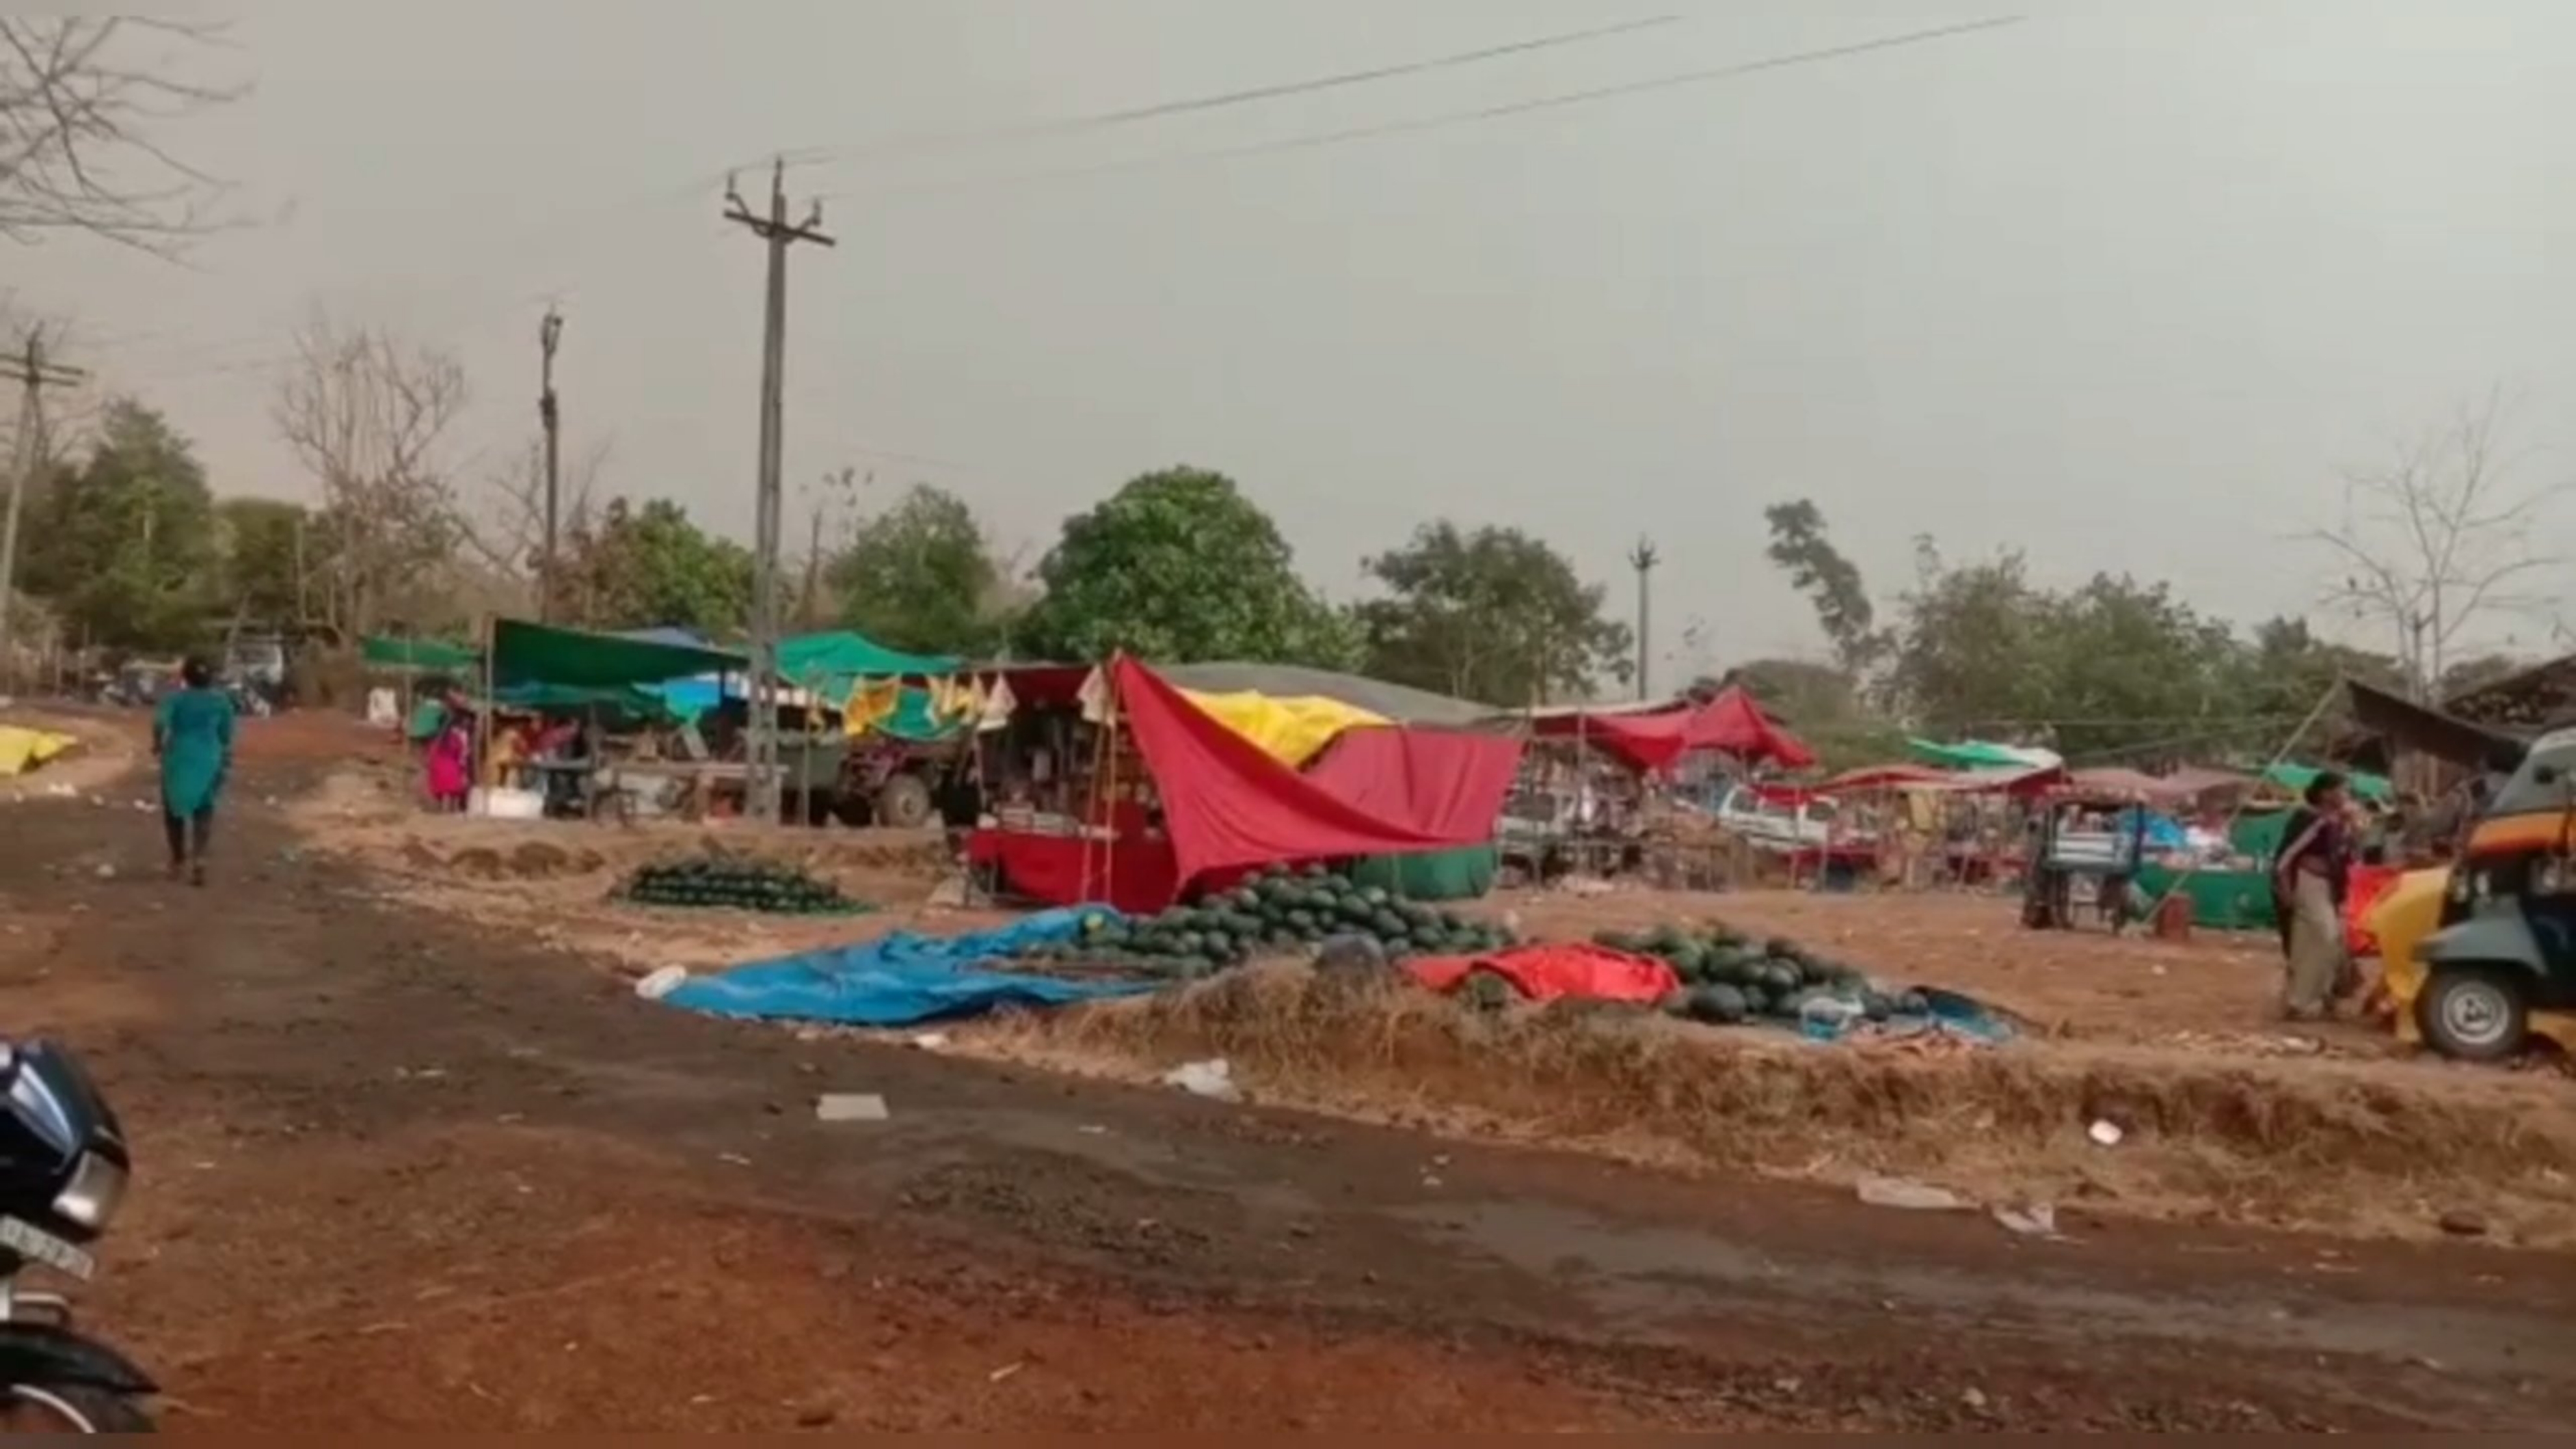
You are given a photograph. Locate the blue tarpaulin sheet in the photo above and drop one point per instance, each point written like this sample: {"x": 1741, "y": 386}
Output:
{"x": 902, "y": 979}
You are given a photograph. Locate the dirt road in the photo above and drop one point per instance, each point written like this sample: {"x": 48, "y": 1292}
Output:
{"x": 397, "y": 1174}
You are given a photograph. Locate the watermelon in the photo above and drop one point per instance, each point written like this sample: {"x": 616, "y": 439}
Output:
{"x": 1675, "y": 1003}
{"x": 1664, "y": 940}
{"x": 1487, "y": 991}
{"x": 1376, "y": 896}
{"x": 1717, "y": 1005}
{"x": 1688, "y": 958}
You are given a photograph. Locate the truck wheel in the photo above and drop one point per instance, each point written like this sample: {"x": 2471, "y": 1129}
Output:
{"x": 903, "y": 803}
{"x": 2473, "y": 1013}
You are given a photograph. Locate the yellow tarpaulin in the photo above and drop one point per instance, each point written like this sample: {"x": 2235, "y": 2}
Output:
{"x": 1290, "y": 730}
{"x": 22, "y": 750}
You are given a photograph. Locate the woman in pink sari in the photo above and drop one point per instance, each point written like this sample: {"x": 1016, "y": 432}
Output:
{"x": 450, "y": 762}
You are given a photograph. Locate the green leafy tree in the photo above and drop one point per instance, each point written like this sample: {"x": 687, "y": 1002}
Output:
{"x": 1179, "y": 565}
{"x": 652, "y": 565}
{"x": 920, "y": 577}
{"x": 122, "y": 546}
{"x": 1494, "y": 615}
{"x": 259, "y": 543}
{"x": 1831, "y": 582}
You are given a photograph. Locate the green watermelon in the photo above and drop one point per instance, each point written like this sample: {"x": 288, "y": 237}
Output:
{"x": 1717, "y": 1005}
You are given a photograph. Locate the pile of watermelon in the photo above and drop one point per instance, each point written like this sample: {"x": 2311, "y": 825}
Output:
{"x": 1727, "y": 977}
{"x": 741, "y": 883}
{"x": 1276, "y": 912}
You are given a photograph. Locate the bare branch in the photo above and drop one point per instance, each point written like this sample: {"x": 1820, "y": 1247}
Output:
{"x": 77, "y": 108}
{"x": 2430, "y": 541}
{"x": 367, "y": 417}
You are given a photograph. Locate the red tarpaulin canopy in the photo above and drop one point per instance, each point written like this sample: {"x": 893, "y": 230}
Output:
{"x": 1734, "y": 723}
{"x": 1228, "y": 804}
{"x": 1646, "y": 741}
{"x": 1444, "y": 782}
{"x": 1654, "y": 740}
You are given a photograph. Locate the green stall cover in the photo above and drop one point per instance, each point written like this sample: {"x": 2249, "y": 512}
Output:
{"x": 2221, "y": 900}
{"x": 811, "y": 661}
{"x": 417, "y": 656}
{"x": 617, "y": 703}
{"x": 1464, "y": 874}
{"x": 2295, "y": 778}
{"x": 526, "y": 653}
{"x": 1968, "y": 755}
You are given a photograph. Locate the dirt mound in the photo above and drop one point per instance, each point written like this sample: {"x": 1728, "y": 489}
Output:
{"x": 2309, "y": 1143}
{"x": 528, "y": 860}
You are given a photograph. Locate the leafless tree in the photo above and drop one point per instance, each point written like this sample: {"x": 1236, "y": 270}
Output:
{"x": 367, "y": 416}
{"x": 507, "y": 528}
{"x": 79, "y": 101}
{"x": 2437, "y": 542}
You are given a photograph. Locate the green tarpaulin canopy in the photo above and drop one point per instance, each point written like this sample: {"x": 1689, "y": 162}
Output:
{"x": 814, "y": 661}
{"x": 1972, "y": 755}
{"x": 526, "y": 653}
{"x": 417, "y": 656}
{"x": 2295, "y": 778}
{"x": 612, "y": 701}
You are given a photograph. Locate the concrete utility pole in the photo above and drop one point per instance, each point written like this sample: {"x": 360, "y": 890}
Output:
{"x": 549, "y": 334}
{"x": 1643, "y": 559}
{"x": 762, "y": 783}
{"x": 35, "y": 374}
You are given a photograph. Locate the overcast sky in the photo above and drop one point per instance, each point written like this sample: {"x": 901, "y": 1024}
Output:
{"x": 2126, "y": 285}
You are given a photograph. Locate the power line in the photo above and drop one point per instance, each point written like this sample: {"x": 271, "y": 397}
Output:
{"x": 1103, "y": 120}
{"x": 1483, "y": 113}
{"x": 520, "y": 239}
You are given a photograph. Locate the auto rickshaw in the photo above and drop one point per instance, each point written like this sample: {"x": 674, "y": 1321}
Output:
{"x": 2083, "y": 834}
{"x": 2498, "y": 962}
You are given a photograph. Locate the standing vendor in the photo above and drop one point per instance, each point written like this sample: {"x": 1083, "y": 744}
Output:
{"x": 2309, "y": 879}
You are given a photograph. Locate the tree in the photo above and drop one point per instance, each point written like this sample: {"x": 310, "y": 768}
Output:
{"x": 78, "y": 99}
{"x": 1965, "y": 641}
{"x": 2114, "y": 669}
{"x": 260, "y": 544}
{"x": 2436, "y": 543}
{"x": 368, "y": 416}
{"x": 509, "y": 533}
{"x": 1831, "y": 582}
{"x": 653, "y": 566}
{"x": 1179, "y": 565}
{"x": 1494, "y": 615}
{"x": 121, "y": 546}
{"x": 920, "y": 577}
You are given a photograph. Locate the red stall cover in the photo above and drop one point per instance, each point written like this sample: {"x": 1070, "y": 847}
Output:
{"x": 1654, "y": 740}
{"x": 1734, "y": 723}
{"x": 1647, "y": 741}
{"x": 1446, "y": 782}
{"x": 1226, "y": 803}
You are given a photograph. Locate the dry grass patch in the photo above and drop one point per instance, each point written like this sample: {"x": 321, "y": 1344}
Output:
{"x": 2319, "y": 1144}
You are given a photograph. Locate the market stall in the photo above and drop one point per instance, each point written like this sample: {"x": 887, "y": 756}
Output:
{"x": 1171, "y": 796}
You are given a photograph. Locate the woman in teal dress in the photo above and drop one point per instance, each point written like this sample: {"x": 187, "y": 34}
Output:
{"x": 192, "y": 735}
